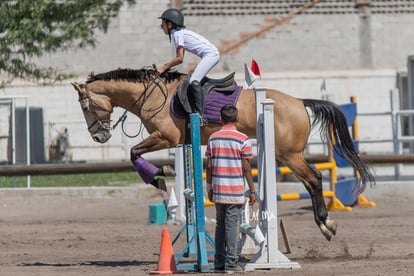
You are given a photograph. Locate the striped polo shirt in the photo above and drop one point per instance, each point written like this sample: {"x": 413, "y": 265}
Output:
{"x": 226, "y": 148}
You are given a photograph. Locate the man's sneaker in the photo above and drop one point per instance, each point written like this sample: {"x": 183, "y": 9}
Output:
{"x": 235, "y": 269}
{"x": 204, "y": 120}
{"x": 219, "y": 270}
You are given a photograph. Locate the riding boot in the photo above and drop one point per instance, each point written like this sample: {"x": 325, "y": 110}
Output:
{"x": 199, "y": 101}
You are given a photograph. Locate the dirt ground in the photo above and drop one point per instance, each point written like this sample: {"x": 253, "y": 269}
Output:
{"x": 106, "y": 232}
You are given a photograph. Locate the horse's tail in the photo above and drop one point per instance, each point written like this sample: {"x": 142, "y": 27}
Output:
{"x": 330, "y": 117}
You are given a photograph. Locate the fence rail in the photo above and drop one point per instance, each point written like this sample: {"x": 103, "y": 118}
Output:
{"x": 70, "y": 168}
{"x": 125, "y": 166}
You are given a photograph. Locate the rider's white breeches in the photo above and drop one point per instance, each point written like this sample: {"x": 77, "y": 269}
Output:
{"x": 203, "y": 67}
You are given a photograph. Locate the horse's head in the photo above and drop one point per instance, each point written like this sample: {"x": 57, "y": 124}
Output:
{"x": 97, "y": 111}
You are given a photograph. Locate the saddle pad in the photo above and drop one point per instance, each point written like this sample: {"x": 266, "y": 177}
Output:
{"x": 212, "y": 105}
{"x": 216, "y": 100}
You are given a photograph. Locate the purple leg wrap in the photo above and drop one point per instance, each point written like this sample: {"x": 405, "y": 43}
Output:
{"x": 145, "y": 169}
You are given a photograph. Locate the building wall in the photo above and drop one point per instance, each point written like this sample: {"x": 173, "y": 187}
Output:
{"x": 339, "y": 39}
{"x": 357, "y": 53}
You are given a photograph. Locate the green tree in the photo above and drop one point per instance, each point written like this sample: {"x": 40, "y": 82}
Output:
{"x": 32, "y": 28}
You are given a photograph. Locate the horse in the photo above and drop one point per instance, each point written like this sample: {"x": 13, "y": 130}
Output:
{"x": 148, "y": 94}
{"x": 59, "y": 147}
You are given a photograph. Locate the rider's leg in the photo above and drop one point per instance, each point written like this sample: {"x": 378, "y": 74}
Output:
{"x": 203, "y": 67}
{"x": 199, "y": 101}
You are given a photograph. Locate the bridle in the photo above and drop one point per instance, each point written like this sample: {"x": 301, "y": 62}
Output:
{"x": 94, "y": 107}
{"x": 153, "y": 83}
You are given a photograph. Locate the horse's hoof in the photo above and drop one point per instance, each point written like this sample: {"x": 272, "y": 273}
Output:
{"x": 159, "y": 184}
{"x": 326, "y": 232}
{"x": 331, "y": 225}
{"x": 168, "y": 171}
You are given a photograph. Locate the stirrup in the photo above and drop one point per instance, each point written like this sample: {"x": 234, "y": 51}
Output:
{"x": 203, "y": 120}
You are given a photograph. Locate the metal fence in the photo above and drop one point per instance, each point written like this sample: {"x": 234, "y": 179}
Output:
{"x": 10, "y": 101}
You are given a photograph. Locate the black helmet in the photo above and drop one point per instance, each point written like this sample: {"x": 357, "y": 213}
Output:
{"x": 173, "y": 15}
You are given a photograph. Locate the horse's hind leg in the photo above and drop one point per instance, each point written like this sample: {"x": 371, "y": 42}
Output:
{"x": 312, "y": 179}
{"x": 326, "y": 225}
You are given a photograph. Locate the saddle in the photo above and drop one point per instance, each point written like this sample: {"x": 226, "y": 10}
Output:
{"x": 224, "y": 85}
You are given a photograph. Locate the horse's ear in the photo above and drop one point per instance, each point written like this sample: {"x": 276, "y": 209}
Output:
{"x": 79, "y": 88}
{"x": 76, "y": 86}
{"x": 82, "y": 99}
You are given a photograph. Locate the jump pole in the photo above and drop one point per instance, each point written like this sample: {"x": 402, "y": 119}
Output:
{"x": 268, "y": 255}
{"x": 179, "y": 183}
{"x": 197, "y": 236}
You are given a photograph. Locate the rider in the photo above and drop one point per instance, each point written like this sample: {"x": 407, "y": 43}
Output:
{"x": 173, "y": 25}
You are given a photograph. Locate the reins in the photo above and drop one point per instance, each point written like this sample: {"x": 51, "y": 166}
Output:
{"x": 151, "y": 82}
{"x": 156, "y": 82}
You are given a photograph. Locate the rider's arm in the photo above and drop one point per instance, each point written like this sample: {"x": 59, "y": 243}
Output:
{"x": 176, "y": 61}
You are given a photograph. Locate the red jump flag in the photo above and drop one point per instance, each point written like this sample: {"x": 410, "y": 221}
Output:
{"x": 255, "y": 68}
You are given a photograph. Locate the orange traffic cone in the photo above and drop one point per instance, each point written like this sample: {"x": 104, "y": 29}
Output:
{"x": 166, "y": 262}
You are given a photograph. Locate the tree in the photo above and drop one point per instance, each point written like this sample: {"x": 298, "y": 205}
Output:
{"x": 32, "y": 28}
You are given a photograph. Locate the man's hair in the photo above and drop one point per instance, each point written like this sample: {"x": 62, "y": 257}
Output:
{"x": 229, "y": 114}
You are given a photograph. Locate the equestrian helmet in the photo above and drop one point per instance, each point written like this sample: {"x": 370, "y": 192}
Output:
{"x": 173, "y": 15}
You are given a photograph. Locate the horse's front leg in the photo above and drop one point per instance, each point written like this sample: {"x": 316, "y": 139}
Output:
{"x": 154, "y": 142}
{"x": 147, "y": 171}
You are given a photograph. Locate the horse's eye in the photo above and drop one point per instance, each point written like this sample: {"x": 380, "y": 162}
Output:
{"x": 84, "y": 103}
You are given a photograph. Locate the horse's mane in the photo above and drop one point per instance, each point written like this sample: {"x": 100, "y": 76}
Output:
{"x": 134, "y": 75}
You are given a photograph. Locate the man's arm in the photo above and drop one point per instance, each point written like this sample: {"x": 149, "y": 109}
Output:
{"x": 247, "y": 172}
{"x": 209, "y": 180}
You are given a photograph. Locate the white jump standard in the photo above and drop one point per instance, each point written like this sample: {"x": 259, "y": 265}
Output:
{"x": 268, "y": 255}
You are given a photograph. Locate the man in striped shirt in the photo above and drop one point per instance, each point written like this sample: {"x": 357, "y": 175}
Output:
{"x": 228, "y": 166}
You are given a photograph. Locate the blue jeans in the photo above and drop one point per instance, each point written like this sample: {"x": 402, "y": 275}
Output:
{"x": 227, "y": 234}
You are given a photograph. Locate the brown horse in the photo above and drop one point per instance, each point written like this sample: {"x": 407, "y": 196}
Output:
{"x": 148, "y": 95}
